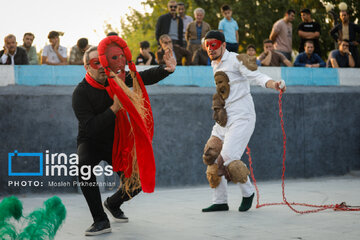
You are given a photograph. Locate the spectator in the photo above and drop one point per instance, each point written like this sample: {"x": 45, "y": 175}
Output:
{"x": 77, "y": 52}
{"x": 12, "y": 54}
{"x": 171, "y": 25}
{"x": 200, "y": 56}
{"x": 341, "y": 58}
{"x": 54, "y": 54}
{"x": 179, "y": 52}
{"x": 145, "y": 57}
{"x": 230, "y": 29}
{"x": 30, "y": 50}
{"x": 309, "y": 30}
{"x": 350, "y": 31}
{"x": 270, "y": 57}
{"x": 309, "y": 58}
{"x": 196, "y": 31}
{"x": 181, "y": 11}
{"x": 281, "y": 34}
{"x": 251, "y": 51}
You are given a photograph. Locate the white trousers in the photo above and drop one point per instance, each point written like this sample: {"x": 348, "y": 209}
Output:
{"x": 220, "y": 192}
{"x": 235, "y": 137}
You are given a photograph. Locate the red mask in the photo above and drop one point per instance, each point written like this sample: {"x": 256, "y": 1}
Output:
{"x": 95, "y": 63}
{"x": 116, "y": 59}
{"x": 213, "y": 44}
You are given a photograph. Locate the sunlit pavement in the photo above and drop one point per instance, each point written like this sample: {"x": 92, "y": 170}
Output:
{"x": 175, "y": 213}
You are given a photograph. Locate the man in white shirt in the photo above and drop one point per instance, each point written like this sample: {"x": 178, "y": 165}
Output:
{"x": 54, "y": 54}
{"x": 239, "y": 106}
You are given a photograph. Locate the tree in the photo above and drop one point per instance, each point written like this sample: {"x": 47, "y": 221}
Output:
{"x": 255, "y": 19}
{"x": 137, "y": 27}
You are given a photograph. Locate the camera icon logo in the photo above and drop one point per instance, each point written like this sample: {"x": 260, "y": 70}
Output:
{"x": 18, "y": 161}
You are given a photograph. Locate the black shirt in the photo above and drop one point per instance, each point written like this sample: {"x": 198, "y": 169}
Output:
{"x": 20, "y": 57}
{"x": 309, "y": 27}
{"x": 142, "y": 59}
{"x": 92, "y": 108}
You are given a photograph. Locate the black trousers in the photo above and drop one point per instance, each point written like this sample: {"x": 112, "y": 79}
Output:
{"x": 91, "y": 154}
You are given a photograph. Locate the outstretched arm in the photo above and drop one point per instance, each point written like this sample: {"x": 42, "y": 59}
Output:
{"x": 277, "y": 85}
{"x": 155, "y": 74}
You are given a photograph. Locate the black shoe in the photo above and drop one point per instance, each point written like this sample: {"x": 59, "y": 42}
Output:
{"x": 98, "y": 228}
{"x": 117, "y": 214}
{"x": 216, "y": 207}
{"x": 246, "y": 203}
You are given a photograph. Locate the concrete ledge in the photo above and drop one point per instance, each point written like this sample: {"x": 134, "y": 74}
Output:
{"x": 184, "y": 75}
{"x": 321, "y": 123}
{"x": 7, "y": 75}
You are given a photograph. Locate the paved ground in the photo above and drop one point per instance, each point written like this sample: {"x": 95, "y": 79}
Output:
{"x": 173, "y": 214}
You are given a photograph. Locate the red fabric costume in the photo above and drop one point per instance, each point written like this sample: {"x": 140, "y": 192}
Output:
{"x": 131, "y": 130}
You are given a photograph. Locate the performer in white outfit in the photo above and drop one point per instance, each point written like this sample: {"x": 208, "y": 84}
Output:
{"x": 232, "y": 76}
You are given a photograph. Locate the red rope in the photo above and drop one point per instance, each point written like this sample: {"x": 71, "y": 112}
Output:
{"x": 336, "y": 207}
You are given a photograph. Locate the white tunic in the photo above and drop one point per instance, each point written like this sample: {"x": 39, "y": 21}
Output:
{"x": 239, "y": 103}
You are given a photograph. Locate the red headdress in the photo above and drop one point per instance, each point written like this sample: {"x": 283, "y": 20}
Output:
{"x": 134, "y": 127}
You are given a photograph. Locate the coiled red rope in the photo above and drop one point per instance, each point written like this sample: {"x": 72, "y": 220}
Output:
{"x": 336, "y": 207}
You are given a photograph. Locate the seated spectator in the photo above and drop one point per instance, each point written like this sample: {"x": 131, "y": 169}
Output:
{"x": 341, "y": 58}
{"x": 179, "y": 52}
{"x": 309, "y": 58}
{"x": 196, "y": 30}
{"x": 30, "y": 50}
{"x": 12, "y": 54}
{"x": 145, "y": 57}
{"x": 251, "y": 51}
{"x": 77, "y": 52}
{"x": 270, "y": 57}
{"x": 200, "y": 56}
{"x": 54, "y": 54}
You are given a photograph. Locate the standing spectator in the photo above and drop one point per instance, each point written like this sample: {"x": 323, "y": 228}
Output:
{"x": 200, "y": 56}
{"x": 309, "y": 58}
{"x": 12, "y": 54}
{"x": 54, "y": 54}
{"x": 171, "y": 25}
{"x": 341, "y": 58}
{"x": 251, "y": 51}
{"x": 230, "y": 29}
{"x": 309, "y": 30}
{"x": 196, "y": 31}
{"x": 185, "y": 18}
{"x": 350, "y": 31}
{"x": 145, "y": 57}
{"x": 270, "y": 57}
{"x": 281, "y": 34}
{"x": 30, "y": 50}
{"x": 179, "y": 52}
{"x": 77, "y": 52}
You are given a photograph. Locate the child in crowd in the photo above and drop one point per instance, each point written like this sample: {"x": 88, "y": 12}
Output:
{"x": 230, "y": 29}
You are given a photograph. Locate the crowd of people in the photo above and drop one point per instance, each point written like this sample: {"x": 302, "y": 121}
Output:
{"x": 184, "y": 35}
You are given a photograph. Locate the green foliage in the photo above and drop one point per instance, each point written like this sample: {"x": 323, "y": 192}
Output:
{"x": 43, "y": 222}
{"x": 137, "y": 27}
{"x": 9, "y": 207}
{"x": 255, "y": 19}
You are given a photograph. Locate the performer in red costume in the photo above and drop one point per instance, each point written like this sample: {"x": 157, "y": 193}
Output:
{"x": 114, "y": 121}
